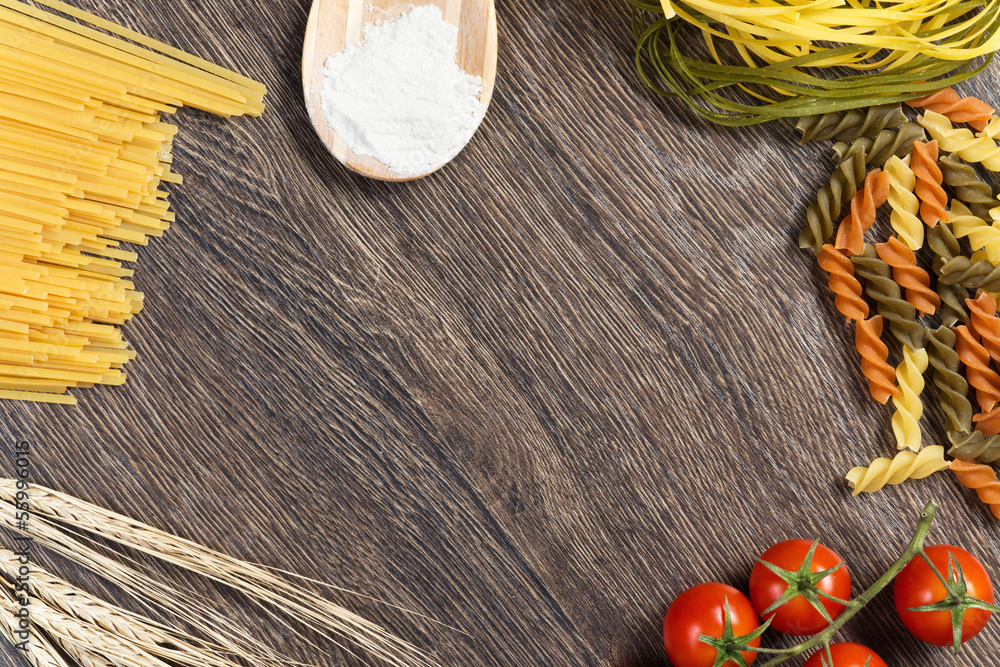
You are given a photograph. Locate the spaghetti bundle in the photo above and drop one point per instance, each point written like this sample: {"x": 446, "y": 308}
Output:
{"x": 84, "y": 160}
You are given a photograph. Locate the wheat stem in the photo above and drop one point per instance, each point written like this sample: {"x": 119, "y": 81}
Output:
{"x": 56, "y": 517}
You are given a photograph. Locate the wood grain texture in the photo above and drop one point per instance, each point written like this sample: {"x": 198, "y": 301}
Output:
{"x": 533, "y": 396}
{"x": 334, "y": 24}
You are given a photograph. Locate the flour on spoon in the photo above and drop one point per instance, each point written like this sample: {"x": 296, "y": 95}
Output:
{"x": 399, "y": 96}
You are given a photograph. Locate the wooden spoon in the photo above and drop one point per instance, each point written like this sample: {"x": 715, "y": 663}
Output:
{"x": 335, "y": 23}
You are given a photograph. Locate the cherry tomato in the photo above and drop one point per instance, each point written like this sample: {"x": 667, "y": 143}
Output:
{"x": 917, "y": 585}
{"x": 798, "y": 616}
{"x": 700, "y": 611}
{"x": 846, "y": 654}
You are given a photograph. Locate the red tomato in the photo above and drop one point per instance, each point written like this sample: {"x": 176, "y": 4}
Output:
{"x": 846, "y": 654}
{"x": 917, "y": 585}
{"x": 798, "y": 616}
{"x": 700, "y": 611}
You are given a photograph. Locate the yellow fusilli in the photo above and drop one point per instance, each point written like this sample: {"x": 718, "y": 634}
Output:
{"x": 905, "y": 205}
{"x": 971, "y": 148}
{"x": 992, "y": 129}
{"x": 982, "y": 235}
{"x": 994, "y": 214}
{"x": 909, "y": 407}
{"x": 903, "y": 466}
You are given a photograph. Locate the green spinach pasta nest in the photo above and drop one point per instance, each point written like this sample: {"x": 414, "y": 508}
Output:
{"x": 740, "y": 62}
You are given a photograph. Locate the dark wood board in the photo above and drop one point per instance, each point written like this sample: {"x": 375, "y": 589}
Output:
{"x": 533, "y": 396}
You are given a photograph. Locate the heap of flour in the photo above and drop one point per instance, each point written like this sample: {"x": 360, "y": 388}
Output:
{"x": 399, "y": 97}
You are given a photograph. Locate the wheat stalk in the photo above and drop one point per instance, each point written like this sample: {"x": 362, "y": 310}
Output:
{"x": 87, "y": 645}
{"x": 40, "y": 652}
{"x": 153, "y": 593}
{"x": 156, "y": 639}
{"x": 268, "y": 587}
{"x": 93, "y": 633}
{"x": 85, "y": 642}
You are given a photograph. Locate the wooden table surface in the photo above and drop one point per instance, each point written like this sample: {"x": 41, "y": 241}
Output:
{"x": 533, "y": 396}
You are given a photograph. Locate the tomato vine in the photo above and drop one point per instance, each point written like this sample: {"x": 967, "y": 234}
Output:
{"x": 733, "y": 649}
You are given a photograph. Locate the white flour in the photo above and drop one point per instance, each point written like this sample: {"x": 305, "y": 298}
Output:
{"x": 399, "y": 97}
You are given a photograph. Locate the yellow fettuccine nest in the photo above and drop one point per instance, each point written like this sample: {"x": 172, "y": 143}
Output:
{"x": 774, "y": 32}
{"x": 794, "y": 58}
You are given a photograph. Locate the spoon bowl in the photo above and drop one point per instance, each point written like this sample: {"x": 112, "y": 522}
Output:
{"x": 333, "y": 24}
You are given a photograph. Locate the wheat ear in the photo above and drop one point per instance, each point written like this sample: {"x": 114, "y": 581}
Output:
{"x": 152, "y": 593}
{"x": 156, "y": 639}
{"x": 85, "y": 645}
{"x": 41, "y": 653}
{"x": 269, "y": 587}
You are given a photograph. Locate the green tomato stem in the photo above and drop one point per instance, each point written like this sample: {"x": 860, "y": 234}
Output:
{"x": 915, "y": 547}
